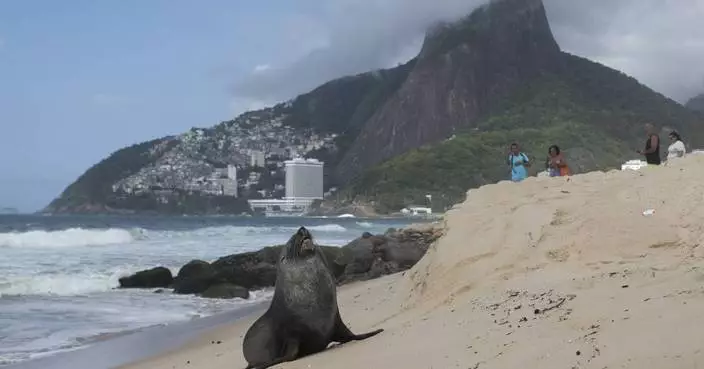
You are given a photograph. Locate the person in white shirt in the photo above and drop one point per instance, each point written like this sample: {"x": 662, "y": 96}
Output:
{"x": 677, "y": 148}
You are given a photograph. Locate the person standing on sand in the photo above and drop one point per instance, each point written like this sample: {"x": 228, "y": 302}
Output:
{"x": 677, "y": 148}
{"x": 518, "y": 162}
{"x": 557, "y": 165}
{"x": 652, "y": 146}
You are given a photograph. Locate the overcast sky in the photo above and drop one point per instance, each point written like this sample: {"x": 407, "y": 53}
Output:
{"x": 80, "y": 79}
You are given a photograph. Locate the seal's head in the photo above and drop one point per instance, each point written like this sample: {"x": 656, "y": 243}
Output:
{"x": 301, "y": 245}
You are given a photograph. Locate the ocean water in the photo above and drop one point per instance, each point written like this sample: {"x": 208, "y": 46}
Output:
{"x": 58, "y": 274}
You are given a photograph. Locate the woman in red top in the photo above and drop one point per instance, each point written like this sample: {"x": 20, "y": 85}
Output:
{"x": 557, "y": 165}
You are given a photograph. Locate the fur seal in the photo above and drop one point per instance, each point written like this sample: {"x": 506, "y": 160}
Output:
{"x": 303, "y": 317}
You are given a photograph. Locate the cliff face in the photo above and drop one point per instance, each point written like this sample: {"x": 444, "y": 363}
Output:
{"x": 463, "y": 70}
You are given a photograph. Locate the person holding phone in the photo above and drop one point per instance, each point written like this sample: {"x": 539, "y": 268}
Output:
{"x": 517, "y": 162}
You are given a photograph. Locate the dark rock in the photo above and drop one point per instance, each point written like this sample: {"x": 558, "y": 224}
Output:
{"x": 226, "y": 291}
{"x": 257, "y": 269}
{"x": 372, "y": 256}
{"x": 195, "y": 277}
{"x": 152, "y": 278}
{"x": 368, "y": 257}
{"x": 404, "y": 254}
{"x": 357, "y": 256}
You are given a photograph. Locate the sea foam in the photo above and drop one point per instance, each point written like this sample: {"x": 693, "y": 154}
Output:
{"x": 72, "y": 237}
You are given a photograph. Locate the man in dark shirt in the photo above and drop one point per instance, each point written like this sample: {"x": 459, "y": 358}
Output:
{"x": 652, "y": 146}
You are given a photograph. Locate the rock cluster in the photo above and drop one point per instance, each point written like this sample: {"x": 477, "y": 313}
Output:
{"x": 368, "y": 257}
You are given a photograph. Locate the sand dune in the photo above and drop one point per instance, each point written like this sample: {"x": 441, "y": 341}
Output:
{"x": 548, "y": 273}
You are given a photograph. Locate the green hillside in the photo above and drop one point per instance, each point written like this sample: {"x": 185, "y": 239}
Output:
{"x": 94, "y": 187}
{"x": 594, "y": 113}
{"x": 696, "y": 103}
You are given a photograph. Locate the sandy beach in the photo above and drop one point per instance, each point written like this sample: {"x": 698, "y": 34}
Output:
{"x": 599, "y": 270}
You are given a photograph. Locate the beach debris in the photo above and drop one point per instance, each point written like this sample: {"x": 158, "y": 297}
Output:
{"x": 649, "y": 212}
{"x": 552, "y": 307}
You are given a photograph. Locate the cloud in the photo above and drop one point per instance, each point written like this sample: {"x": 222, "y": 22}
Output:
{"x": 346, "y": 37}
{"x": 262, "y": 68}
{"x": 241, "y": 105}
{"x": 658, "y": 42}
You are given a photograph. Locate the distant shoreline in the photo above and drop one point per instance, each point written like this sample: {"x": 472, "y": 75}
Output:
{"x": 157, "y": 214}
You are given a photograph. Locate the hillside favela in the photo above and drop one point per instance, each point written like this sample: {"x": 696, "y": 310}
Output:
{"x": 380, "y": 184}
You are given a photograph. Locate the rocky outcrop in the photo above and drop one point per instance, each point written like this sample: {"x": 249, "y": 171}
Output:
{"x": 368, "y": 257}
{"x": 371, "y": 256}
{"x": 226, "y": 291}
{"x": 256, "y": 270}
{"x": 195, "y": 277}
{"x": 153, "y": 278}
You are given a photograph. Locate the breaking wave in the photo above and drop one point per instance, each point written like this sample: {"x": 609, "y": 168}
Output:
{"x": 79, "y": 237}
{"x": 60, "y": 284}
{"x": 73, "y": 237}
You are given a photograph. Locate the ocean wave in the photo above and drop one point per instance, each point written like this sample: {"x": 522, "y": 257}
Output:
{"x": 72, "y": 237}
{"x": 80, "y": 237}
{"x": 228, "y": 231}
{"x": 327, "y": 228}
{"x": 75, "y": 284}
{"x": 365, "y": 224}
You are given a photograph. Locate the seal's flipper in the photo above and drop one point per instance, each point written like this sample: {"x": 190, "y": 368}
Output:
{"x": 364, "y": 336}
{"x": 291, "y": 354}
{"x": 343, "y": 334}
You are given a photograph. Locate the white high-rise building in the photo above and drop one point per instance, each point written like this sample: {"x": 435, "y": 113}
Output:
{"x": 229, "y": 185}
{"x": 304, "y": 179}
{"x": 257, "y": 159}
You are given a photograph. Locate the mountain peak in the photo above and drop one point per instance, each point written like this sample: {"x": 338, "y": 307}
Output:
{"x": 499, "y": 21}
{"x": 463, "y": 71}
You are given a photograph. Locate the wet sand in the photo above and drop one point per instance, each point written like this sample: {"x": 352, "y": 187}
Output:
{"x": 121, "y": 349}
